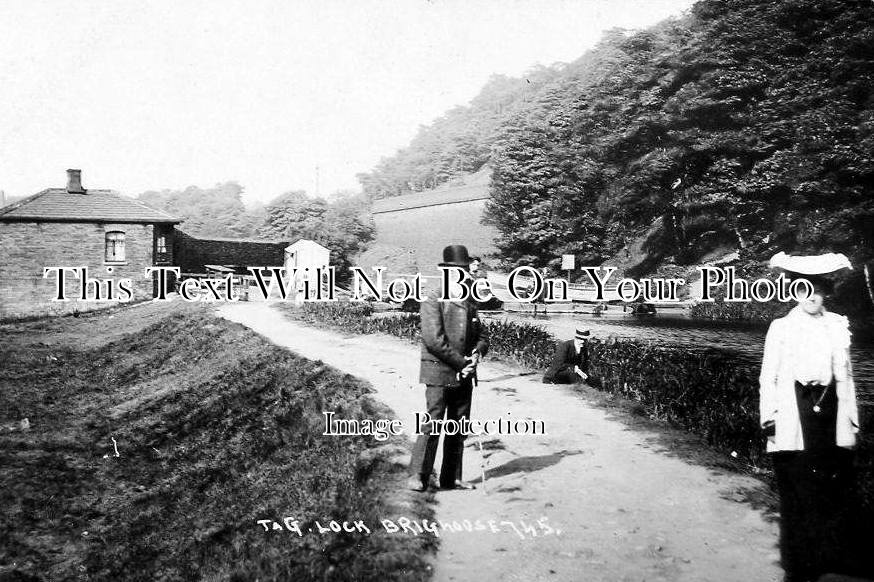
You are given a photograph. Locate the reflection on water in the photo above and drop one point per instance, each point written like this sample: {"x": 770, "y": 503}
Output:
{"x": 748, "y": 340}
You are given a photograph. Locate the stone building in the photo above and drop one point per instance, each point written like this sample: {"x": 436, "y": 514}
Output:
{"x": 115, "y": 237}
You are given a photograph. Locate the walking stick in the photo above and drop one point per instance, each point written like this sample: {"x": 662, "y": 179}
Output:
{"x": 482, "y": 463}
{"x": 479, "y": 445}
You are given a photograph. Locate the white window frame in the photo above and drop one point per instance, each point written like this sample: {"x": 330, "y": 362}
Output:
{"x": 114, "y": 241}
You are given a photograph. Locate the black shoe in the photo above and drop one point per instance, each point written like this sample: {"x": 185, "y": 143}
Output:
{"x": 459, "y": 484}
{"x": 416, "y": 483}
{"x": 422, "y": 482}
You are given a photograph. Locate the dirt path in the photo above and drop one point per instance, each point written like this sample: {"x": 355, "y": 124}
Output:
{"x": 625, "y": 511}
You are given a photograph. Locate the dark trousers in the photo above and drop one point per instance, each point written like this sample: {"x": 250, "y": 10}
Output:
{"x": 454, "y": 404}
{"x": 816, "y": 489}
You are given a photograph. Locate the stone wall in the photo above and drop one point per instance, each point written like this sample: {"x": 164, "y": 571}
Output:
{"x": 27, "y": 248}
{"x": 192, "y": 253}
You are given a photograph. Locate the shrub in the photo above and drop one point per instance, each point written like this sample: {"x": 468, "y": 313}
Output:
{"x": 708, "y": 392}
{"x": 357, "y": 317}
{"x": 528, "y": 345}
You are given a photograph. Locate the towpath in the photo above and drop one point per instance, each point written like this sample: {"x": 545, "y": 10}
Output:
{"x": 626, "y": 511}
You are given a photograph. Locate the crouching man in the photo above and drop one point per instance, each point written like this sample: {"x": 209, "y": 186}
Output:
{"x": 571, "y": 361}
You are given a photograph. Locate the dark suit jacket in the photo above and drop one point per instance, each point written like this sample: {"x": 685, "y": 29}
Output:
{"x": 451, "y": 331}
{"x": 561, "y": 371}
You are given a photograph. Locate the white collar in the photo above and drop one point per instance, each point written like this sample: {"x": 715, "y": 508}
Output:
{"x": 798, "y": 311}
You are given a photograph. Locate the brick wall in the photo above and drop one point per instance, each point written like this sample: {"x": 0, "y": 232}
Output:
{"x": 191, "y": 253}
{"x": 426, "y": 231}
{"x": 26, "y": 248}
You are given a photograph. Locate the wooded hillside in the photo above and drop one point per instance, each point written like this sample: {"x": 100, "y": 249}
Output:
{"x": 745, "y": 125}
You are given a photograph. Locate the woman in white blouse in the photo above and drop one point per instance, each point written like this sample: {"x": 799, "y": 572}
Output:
{"x": 808, "y": 410}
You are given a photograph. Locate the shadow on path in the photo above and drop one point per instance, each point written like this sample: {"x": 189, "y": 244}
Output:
{"x": 527, "y": 464}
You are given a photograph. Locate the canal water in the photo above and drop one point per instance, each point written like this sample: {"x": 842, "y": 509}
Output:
{"x": 747, "y": 339}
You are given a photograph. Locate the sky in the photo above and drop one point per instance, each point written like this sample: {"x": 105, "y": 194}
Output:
{"x": 276, "y": 95}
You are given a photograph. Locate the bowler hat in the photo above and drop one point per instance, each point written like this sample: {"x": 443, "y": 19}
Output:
{"x": 455, "y": 256}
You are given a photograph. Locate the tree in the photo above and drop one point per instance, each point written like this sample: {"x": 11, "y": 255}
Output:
{"x": 343, "y": 226}
{"x": 216, "y": 211}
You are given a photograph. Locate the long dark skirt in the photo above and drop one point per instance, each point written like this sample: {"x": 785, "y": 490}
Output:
{"x": 816, "y": 488}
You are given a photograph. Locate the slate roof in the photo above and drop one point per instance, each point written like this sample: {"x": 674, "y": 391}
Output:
{"x": 58, "y": 205}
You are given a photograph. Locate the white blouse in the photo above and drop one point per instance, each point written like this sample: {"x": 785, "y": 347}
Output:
{"x": 805, "y": 348}
{"x": 812, "y": 353}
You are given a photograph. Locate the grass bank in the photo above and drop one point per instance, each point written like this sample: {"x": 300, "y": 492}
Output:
{"x": 215, "y": 429}
{"x": 708, "y": 392}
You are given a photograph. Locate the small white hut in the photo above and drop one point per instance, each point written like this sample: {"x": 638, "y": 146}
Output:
{"x": 306, "y": 254}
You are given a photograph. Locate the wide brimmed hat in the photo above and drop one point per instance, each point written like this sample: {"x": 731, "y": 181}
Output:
{"x": 810, "y": 264}
{"x": 582, "y": 334}
{"x": 455, "y": 256}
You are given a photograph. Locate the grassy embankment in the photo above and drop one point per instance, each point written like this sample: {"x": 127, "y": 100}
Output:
{"x": 710, "y": 393}
{"x": 215, "y": 428}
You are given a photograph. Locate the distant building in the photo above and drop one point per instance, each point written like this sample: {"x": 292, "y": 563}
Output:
{"x": 306, "y": 254}
{"x": 307, "y": 257}
{"x": 411, "y": 230}
{"x": 115, "y": 237}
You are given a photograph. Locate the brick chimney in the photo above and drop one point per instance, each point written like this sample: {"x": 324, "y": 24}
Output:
{"x": 74, "y": 182}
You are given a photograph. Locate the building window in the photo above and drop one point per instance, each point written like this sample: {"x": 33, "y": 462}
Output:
{"x": 115, "y": 247}
{"x": 162, "y": 245}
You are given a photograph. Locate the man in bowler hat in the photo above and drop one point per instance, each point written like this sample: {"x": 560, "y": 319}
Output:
{"x": 571, "y": 361}
{"x": 453, "y": 342}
